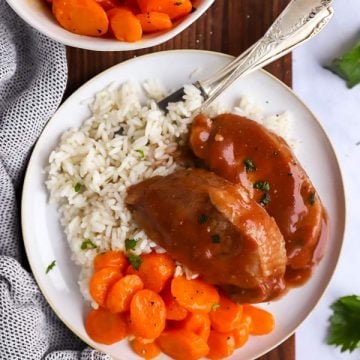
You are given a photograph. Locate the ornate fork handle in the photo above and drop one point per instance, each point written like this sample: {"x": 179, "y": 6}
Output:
{"x": 300, "y": 21}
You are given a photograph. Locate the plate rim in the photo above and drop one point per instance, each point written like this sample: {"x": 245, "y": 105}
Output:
{"x": 119, "y": 65}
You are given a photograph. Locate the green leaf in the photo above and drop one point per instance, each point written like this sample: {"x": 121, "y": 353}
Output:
{"x": 202, "y": 219}
{"x": 262, "y": 185}
{"x": 216, "y": 239}
{"x": 135, "y": 261}
{"x": 214, "y": 307}
{"x": 130, "y": 244}
{"x": 348, "y": 66}
{"x": 87, "y": 245}
{"x": 51, "y": 266}
{"x": 141, "y": 153}
{"x": 265, "y": 199}
{"x": 345, "y": 323}
{"x": 77, "y": 187}
{"x": 249, "y": 165}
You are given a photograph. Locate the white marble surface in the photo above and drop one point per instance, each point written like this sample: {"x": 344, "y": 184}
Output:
{"x": 338, "y": 108}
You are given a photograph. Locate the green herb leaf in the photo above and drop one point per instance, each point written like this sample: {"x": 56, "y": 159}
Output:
{"x": 87, "y": 245}
{"x": 51, "y": 266}
{"x": 215, "y": 239}
{"x": 262, "y": 185}
{"x": 214, "y": 307}
{"x": 130, "y": 244}
{"x": 141, "y": 152}
{"x": 312, "y": 198}
{"x": 265, "y": 199}
{"x": 135, "y": 261}
{"x": 202, "y": 219}
{"x": 77, "y": 187}
{"x": 249, "y": 165}
{"x": 348, "y": 66}
{"x": 344, "y": 323}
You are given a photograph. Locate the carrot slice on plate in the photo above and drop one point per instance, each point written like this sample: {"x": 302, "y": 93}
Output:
{"x": 105, "y": 327}
{"x": 156, "y": 270}
{"x": 124, "y": 24}
{"x": 145, "y": 348}
{"x": 83, "y": 17}
{"x": 182, "y": 345}
{"x": 174, "y": 311}
{"x": 197, "y": 323}
{"x": 221, "y": 345}
{"x": 147, "y": 314}
{"x": 108, "y": 4}
{"x": 115, "y": 259}
{"x": 100, "y": 283}
{"x": 174, "y": 8}
{"x": 262, "y": 322}
{"x": 119, "y": 296}
{"x": 241, "y": 334}
{"x": 227, "y": 316}
{"x": 154, "y": 21}
{"x": 194, "y": 295}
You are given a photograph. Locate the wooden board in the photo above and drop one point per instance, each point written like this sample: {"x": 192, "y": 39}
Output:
{"x": 229, "y": 26}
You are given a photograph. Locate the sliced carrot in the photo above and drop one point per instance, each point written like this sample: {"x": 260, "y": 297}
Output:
{"x": 262, "y": 322}
{"x": 108, "y": 4}
{"x": 115, "y": 259}
{"x": 197, "y": 323}
{"x": 84, "y": 17}
{"x": 194, "y": 295}
{"x": 156, "y": 270}
{"x": 100, "y": 283}
{"x": 182, "y": 344}
{"x": 154, "y": 21}
{"x": 174, "y": 8}
{"x": 174, "y": 311}
{"x": 227, "y": 316}
{"x": 221, "y": 345}
{"x": 144, "y": 348}
{"x": 147, "y": 314}
{"x": 241, "y": 334}
{"x": 124, "y": 24}
{"x": 104, "y": 327}
{"x": 119, "y": 296}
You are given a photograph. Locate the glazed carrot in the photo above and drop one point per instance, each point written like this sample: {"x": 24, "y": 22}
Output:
{"x": 262, "y": 322}
{"x": 111, "y": 258}
{"x": 104, "y": 327}
{"x": 147, "y": 314}
{"x": 124, "y": 24}
{"x": 119, "y": 296}
{"x": 199, "y": 324}
{"x": 154, "y": 21}
{"x": 182, "y": 345}
{"x": 194, "y": 295}
{"x": 173, "y": 309}
{"x": 221, "y": 345}
{"x": 227, "y": 316}
{"x": 84, "y": 17}
{"x": 144, "y": 348}
{"x": 156, "y": 270}
{"x": 100, "y": 283}
{"x": 174, "y": 8}
{"x": 108, "y": 4}
{"x": 241, "y": 334}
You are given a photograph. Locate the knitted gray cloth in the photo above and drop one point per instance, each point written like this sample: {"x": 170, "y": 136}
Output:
{"x": 32, "y": 81}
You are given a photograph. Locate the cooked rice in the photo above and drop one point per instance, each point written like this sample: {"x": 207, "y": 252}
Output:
{"x": 126, "y": 140}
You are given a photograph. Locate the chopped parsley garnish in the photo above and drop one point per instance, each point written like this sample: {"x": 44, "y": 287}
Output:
{"x": 141, "y": 153}
{"x": 87, "y": 245}
{"x": 249, "y": 165}
{"x": 130, "y": 244}
{"x": 214, "y": 307}
{"x": 344, "y": 323}
{"x": 202, "y": 219}
{"x": 312, "y": 198}
{"x": 265, "y": 199}
{"x": 77, "y": 187}
{"x": 215, "y": 239}
{"x": 262, "y": 185}
{"x": 51, "y": 266}
{"x": 135, "y": 261}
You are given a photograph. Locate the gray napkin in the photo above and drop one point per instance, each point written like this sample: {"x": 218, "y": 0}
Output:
{"x": 33, "y": 76}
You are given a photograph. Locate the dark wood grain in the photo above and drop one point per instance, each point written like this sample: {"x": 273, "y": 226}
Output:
{"x": 229, "y": 26}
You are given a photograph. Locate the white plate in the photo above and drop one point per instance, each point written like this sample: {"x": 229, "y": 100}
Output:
{"x": 45, "y": 240}
{"x": 38, "y": 14}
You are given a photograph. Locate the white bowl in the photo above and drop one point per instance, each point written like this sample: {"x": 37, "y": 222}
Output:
{"x": 38, "y": 14}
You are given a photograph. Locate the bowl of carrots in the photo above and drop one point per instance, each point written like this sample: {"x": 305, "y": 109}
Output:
{"x": 110, "y": 25}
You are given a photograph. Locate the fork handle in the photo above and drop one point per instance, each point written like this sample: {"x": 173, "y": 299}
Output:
{"x": 299, "y": 22}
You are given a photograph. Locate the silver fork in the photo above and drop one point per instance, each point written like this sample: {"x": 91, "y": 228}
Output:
{"x": 300, "y": 21}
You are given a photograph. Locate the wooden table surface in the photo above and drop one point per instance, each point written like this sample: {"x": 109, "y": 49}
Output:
{"x": 229, "y": 26}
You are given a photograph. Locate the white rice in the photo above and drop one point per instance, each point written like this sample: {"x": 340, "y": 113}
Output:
{"x": 125, "y": 141}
